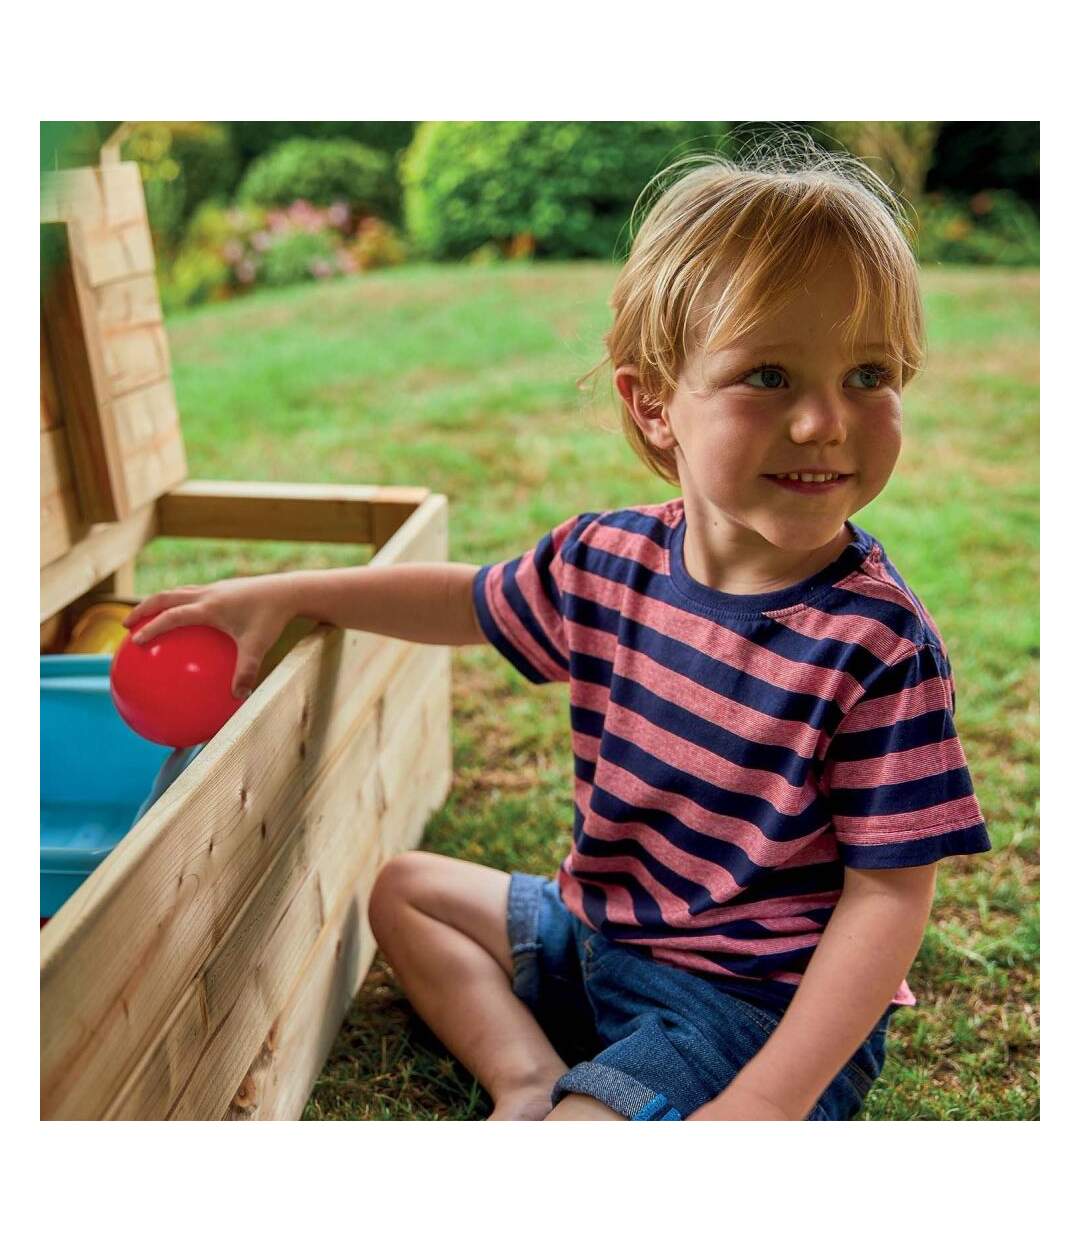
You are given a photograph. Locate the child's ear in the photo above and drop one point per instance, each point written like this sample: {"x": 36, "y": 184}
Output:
{"x": 649, "y": 415}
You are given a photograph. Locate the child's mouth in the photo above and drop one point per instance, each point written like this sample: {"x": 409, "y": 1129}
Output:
{"x": 809, "y": 484}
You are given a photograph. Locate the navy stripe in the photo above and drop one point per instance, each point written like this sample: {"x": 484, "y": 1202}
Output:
{"x": 513, "y": 596}
{"x": 495, "y": 635}
{"x": 972, "y": 840}
{"x": 906, "y": 796}
{"x": 714, "y": 738}
{"x": 734, "y": 683}
{"x": 772, "y": 823}
{"x": 935, "y": 726}
{"x": 759, "y": 883}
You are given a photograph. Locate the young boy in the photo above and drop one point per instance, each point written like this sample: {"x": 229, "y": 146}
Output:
{"x": 766, "y": 765}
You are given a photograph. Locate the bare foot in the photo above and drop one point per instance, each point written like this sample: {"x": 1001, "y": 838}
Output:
{"x": 524, "y": 1104}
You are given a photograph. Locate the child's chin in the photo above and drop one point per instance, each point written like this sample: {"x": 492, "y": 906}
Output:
{"x": 807, "y": 537}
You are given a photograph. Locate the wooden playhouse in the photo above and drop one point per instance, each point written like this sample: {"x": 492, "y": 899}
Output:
{"x": 203, "y": 969}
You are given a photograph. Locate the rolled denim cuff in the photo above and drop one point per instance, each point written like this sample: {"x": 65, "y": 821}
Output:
{"x": 620, "y": 1092}
{"x": 522, "y": 925}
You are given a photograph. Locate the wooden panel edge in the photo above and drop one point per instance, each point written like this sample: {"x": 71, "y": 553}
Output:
{"x": 326, "y": 513}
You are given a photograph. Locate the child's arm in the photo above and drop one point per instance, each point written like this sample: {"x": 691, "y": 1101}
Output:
{"x": 421, "y": 602}
{"x": 862, "y": 957}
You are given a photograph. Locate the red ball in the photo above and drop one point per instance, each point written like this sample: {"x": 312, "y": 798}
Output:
{"x": 176, "y": 690}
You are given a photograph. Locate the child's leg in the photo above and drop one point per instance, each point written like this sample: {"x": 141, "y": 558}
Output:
{"x": 441, "y": 924}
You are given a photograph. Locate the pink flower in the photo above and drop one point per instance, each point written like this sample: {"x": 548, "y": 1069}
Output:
{"x": 261, "y": 241}
{"x": 338, "y": 215}
{"x": 232, "y": 251}
{"x": 321, "y": 268}
{"x": 245, "y": 272}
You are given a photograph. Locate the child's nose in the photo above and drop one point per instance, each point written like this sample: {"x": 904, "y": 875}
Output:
{"x": 819, "y": 419}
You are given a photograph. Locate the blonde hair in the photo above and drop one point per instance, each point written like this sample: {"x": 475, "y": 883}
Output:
{"x": 756, "y": 226}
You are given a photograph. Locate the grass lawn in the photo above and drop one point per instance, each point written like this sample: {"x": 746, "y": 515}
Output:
{"x": 463, "y": 380}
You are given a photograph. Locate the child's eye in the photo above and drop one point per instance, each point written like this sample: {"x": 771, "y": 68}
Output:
{"x": 875, "y": 371}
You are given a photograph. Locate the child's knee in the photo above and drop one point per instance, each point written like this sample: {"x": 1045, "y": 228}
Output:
{"x": 398, "y": 881}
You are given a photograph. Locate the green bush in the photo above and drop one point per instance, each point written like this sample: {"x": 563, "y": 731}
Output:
{"x": 993, "y": 226}
{"x": 323, "y": 172}
{"x": 299, "y": 256}
{"x": 182, "y": 163}
{"x": 554, "y": 189}
{"x": 254, "y": 138}
{"x": 195, "y": 276}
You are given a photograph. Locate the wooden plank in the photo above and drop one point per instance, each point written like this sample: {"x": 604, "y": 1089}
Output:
{"x": 279, "y": 1080}
{"x": 102, "y": 552}
{"x": 98, "y": 197}
{"x": 134, "y": 357}
{"x": 109, "y": 206}
{"x": 117, "y": 252}
{"x": 105, "y": 329}
{"x": 248, "y": 979}
{"x": 61, "y": 523}
{"x": 51, "y": 414}
{"x": 132, "y": 303}
{"x": 329, "y": 513}
{"x": 149, "y": 446}
{"x": 118, "y": 956}
{"x": 70, "y": 342}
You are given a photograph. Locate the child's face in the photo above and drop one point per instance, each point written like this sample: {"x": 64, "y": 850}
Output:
{"x": 817, "y": 407}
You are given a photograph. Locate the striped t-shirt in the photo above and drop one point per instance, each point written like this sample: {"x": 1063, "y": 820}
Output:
{"x": 733, "y": 753}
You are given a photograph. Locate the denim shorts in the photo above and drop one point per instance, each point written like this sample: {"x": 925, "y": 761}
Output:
{"x": 649, "y": 1040}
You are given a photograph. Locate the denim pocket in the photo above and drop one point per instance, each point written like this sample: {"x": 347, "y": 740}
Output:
{"x": 593, "y": 947}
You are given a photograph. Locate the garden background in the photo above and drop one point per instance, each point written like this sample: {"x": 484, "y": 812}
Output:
{"x": 404, "y": 302}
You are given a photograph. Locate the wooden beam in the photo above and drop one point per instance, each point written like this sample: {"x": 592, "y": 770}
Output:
{"x": 327, "y": 512}
{"x": 104, "y": 551}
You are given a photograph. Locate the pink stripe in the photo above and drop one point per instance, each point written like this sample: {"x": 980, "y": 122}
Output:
{"x": 933, "y": 821}
{"x": 899, "y": 766}
{"x": 780, "y": 907}
{"x": 878, "y": 639}
{"x": 706, "y": 765}
{"x": 717, "y": 943}
{"x": 739, "y": 653}
{"x": 779, "y": 918}
{"x": 710, "y": 705}
{"x": 741, "y": 832}
{"x": 930, "y": 695}
{"x": 515, "y": 633}
{"x": 692, "y": 961}
{"x": 618, "y": 903}
{"x": 874, "y": 581}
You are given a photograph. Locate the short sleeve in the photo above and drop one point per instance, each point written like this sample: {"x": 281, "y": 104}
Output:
{"x": 895, "y": 775}
{"x": 519, "y": 604}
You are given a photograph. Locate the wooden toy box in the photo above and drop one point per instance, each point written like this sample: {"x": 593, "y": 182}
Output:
{"x": 203, "y": 970}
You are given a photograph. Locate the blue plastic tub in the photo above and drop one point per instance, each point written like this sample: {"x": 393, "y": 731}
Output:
{"x": 95, "y": 773}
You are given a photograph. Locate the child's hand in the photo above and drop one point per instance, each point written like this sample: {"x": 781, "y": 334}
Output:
{"x": 253, "y": 611}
